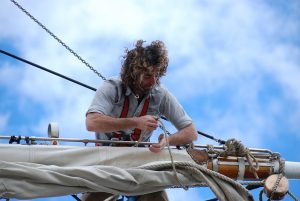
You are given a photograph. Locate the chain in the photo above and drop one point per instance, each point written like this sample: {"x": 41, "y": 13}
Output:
{"x": 58, "y": 40}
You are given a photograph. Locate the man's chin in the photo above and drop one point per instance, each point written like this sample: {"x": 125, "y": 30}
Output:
{"x": 149, "y": 87}
{"x": 146, "y": 90}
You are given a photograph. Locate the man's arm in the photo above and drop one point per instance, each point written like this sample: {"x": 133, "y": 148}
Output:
{"x": 184, "y": 136}
{"x": 102, "y": 123}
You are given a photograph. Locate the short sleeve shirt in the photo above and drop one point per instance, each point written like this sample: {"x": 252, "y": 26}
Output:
{"x": 109, "y": 100}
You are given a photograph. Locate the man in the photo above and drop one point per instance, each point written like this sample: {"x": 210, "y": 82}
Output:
{"x": 128, "y": 108}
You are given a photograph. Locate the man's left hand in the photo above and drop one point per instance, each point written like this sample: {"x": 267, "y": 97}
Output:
{"x": 160, "y": 145}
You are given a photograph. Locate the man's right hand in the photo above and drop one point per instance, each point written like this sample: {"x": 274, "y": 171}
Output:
{"x": 147, "y": 122}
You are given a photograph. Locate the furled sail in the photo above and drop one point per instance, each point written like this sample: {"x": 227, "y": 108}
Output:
{"x": 33, "y": 171}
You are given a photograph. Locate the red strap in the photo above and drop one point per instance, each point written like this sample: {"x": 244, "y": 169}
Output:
{"x": 125, "y": 107}
{"x": 137, "y": 132}
{"x": 117, "y": 135}
{"x": 122, "y": 115}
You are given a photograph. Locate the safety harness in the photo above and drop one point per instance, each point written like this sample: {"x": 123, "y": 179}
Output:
{"x": 135, "y": 136}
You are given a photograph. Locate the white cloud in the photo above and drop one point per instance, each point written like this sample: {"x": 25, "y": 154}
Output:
{"x": 3, "y": 121}
{"x": 284, "y": 64}
{"x": 220, "y": 49}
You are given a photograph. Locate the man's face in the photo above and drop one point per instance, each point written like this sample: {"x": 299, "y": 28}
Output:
{"x": 149, "y": 79}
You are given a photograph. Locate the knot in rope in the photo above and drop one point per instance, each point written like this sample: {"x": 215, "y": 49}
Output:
{"x": 234, "y": 147}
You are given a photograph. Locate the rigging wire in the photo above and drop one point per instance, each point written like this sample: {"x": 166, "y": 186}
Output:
{"x": 46, "y": 69}
{"x": 211, "y": 137}
{"x": 58, "y": 40}
{"x": 221, "y": 142}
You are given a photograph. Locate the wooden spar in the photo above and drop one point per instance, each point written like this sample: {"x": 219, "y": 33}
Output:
{"x": 238, "y": 168}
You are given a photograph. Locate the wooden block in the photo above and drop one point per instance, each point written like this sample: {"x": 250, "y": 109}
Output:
{"x": 281, "y": 189}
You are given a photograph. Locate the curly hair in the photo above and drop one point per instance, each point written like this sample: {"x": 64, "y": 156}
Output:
{"x": 143, "y": 59}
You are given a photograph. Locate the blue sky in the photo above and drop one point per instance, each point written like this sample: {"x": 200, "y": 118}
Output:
{"x": 234, "y": 66}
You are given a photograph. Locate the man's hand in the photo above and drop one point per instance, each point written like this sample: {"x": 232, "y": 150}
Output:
{"x": 160, "y": 145}
{"x": 147, "y": 122}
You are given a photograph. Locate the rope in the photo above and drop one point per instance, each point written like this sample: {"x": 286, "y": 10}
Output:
{"x": 292, "y": 196}
{"x": 198, "y": 170}
{"x": 233, "y": 147}
{"x": 260, "y": 195}
{"x": 139, "y": 140}
{"x": 225, "y": 178}
{"x": 58, "y": 40}
{"x": 76, "y": 197}
{"x": 162, "y": 126}
{"x": 289, "y": 193}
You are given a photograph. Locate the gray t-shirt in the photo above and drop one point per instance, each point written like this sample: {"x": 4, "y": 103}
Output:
{"x": 109, "y": 100}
